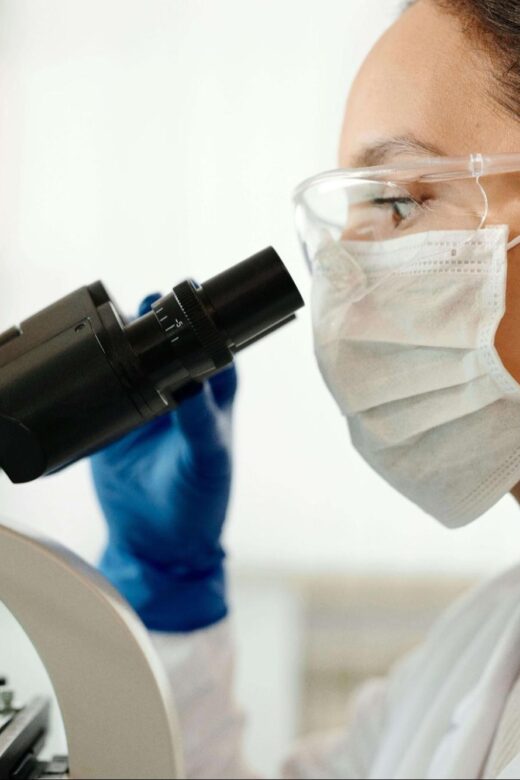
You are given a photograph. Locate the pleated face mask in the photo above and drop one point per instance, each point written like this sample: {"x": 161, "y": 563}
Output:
{"x": 409, "y": 356}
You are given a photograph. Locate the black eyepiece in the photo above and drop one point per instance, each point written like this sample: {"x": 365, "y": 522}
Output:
{"x": 252, "y": 297}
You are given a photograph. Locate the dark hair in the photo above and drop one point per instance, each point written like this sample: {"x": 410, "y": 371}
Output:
{"x": 494, "y": 25}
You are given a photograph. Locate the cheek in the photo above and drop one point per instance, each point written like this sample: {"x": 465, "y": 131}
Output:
{"x": 507, "y": 340}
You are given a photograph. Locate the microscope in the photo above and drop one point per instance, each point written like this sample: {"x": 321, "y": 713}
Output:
{"x": 74, "y": 378}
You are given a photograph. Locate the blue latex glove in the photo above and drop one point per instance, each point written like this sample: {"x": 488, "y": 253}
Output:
{"x": 164, "y": 490}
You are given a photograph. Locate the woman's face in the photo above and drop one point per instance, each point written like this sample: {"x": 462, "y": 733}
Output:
{"x": 425, "y": 89}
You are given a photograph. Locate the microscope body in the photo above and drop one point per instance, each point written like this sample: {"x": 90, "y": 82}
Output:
{"x": 69, "y": 383}
{"x": 77, "y": 376}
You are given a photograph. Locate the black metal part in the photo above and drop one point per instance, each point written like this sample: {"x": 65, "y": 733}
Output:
{"x": 77, "y": 376}
{"x": 251, "y": 297}
{"x": 22, "y": 740}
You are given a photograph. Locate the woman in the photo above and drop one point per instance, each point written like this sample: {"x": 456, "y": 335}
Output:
{"x": 410, "y": 264}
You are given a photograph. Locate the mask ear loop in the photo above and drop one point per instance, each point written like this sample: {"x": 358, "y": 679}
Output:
{"x": 486, "y": 204}
{"x": 513, "y": 244}
{"x": 477, "y": 162}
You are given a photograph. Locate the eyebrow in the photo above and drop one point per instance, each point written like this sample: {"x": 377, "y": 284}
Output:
{"x": 383, "y": 150}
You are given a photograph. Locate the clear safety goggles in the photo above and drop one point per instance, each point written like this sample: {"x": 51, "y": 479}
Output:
{"x": 411, "y": 198}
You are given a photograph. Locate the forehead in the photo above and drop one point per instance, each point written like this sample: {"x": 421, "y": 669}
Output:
{"x": 425, "y": 79}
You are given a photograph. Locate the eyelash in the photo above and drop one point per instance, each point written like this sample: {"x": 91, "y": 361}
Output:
{"x": 393, "y": 201}
{"x": 396, "y": 201}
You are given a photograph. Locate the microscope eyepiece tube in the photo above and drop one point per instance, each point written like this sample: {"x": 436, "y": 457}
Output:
{"x": 252, "y": 297}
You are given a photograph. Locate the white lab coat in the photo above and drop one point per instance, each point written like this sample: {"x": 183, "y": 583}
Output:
{"x": 434, "y": 717}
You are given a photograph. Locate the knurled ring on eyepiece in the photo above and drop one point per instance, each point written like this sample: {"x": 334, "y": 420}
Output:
{"x": 202, "y": 325}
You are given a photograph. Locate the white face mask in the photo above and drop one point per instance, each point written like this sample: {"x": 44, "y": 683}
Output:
{"x": 409, "y": 357}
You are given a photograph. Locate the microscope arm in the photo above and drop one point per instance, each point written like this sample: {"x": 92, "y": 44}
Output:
{"x": 114, "y": 701}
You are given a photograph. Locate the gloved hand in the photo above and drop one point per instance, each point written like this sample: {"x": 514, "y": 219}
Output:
{"x": 164, "y": 490}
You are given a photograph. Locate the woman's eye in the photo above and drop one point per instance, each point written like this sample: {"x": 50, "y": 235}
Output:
{"x": 400, "y": 208}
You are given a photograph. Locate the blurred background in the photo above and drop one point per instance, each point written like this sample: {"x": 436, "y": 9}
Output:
{"x": 143, "y": 141}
